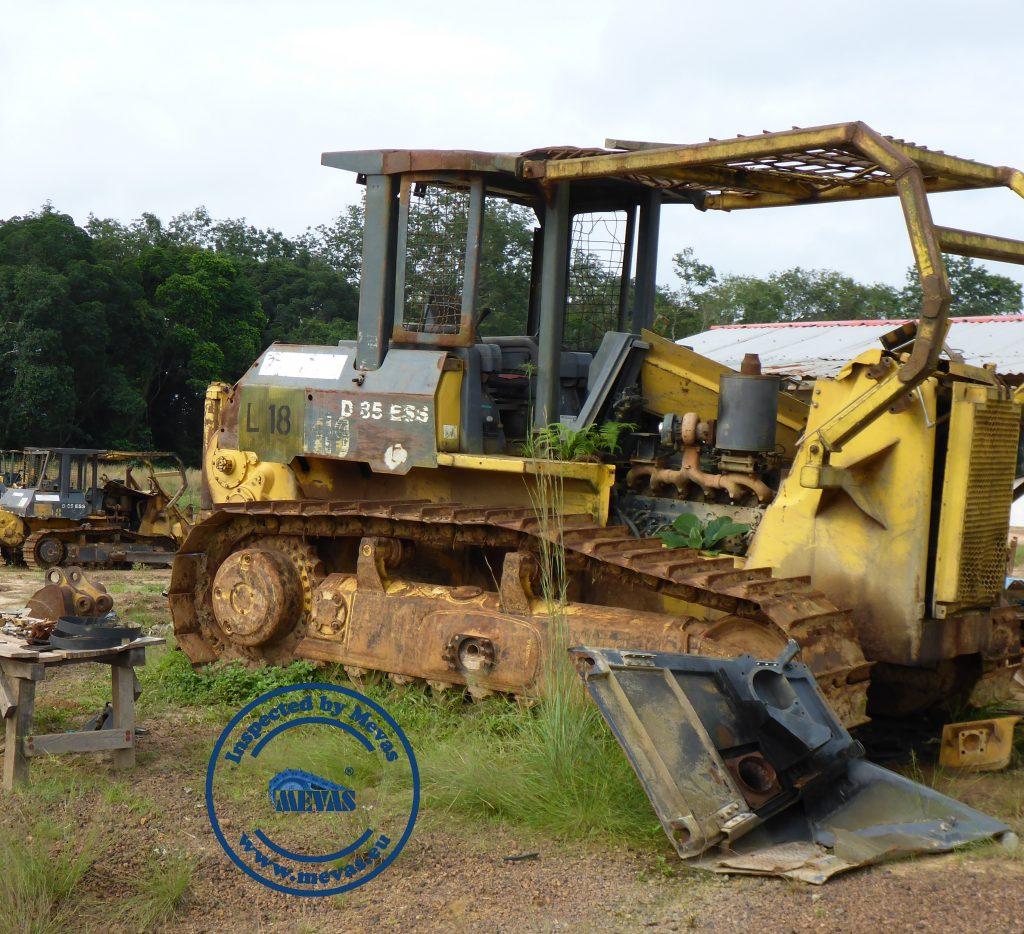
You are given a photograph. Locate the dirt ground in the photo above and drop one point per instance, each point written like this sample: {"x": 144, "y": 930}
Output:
{"x": 454, "y": 876}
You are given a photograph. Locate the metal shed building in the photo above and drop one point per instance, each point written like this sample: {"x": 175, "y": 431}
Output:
{"x": 805, "y": 350}
{"x": 809, "y": 349}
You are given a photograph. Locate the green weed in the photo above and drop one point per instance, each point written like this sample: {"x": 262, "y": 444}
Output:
{"x": 172, "y": 679}
{"x": 558, "y": 442}
{"x": 688, "y": 531}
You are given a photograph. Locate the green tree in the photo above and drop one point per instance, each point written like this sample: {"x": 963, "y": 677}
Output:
{"x": 827, "y": 295}
{"x": 210, "y": 295}
{"x": 340, "y": 243}
{"x": 704, "y": 298}
{"x": 506, "y": 258}
{"x": 975, "y": 290}
{"x": 211, "y": 328}
{"x": 60, "y": 383}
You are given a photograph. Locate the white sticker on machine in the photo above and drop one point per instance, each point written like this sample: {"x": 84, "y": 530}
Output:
{"x": 303, "y": 365}
{"x": 395, "y": 456}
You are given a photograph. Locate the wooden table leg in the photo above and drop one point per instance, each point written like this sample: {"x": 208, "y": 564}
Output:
{"x": 122, "y": 678}
{"x": 17, "y": 726}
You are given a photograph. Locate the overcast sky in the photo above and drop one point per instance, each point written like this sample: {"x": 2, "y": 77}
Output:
{"x": 118, "y": 108}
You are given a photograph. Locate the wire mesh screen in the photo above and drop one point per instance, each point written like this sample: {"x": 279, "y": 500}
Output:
{"x": 435, "y": 259}
{"x": 596, "y": 259}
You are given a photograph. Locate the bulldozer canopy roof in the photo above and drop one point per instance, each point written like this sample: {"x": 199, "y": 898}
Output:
{"x": 844, "y": 161}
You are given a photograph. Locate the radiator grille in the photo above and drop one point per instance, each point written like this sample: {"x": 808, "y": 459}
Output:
{"x": 987, "y": 503}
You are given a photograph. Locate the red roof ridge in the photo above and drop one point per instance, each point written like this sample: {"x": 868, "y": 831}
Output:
{"x": 864, "y": 322}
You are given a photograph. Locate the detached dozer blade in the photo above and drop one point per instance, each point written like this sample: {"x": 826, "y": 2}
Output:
{"x": 750, "y": 772}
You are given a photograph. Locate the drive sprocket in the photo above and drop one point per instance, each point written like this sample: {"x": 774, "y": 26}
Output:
{"x": 261, "y": 598}
{"x": 44, "y": 550}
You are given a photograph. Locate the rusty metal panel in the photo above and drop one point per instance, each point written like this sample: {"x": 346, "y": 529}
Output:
{"x": 750, "y": 771}
{"x": 312, "y": 400}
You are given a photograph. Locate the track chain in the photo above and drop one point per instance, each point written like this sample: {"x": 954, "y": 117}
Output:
{"x": 790, "y": 607}
{"x": 94, "y": 534}
{"x": 28, "y": 550}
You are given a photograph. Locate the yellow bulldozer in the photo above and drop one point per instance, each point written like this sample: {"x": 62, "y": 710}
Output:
{"x": 59, "y": 507}
{"x": 386, "y": 504}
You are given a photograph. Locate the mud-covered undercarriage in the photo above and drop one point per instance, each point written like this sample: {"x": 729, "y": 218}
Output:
{"x": 452, "y": 596}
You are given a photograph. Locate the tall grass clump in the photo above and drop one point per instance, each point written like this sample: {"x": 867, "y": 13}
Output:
{"x": 39, "y": 876}
{"x": 160, "y": 893}
{"x": 555, "y": 765}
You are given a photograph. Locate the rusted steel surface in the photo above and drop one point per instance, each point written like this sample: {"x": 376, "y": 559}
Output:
{"x": 69, "y": 592}
{"x": 256, "y": 595}
{"x": 750, "y": 771}
{"x": 369, "y": 602}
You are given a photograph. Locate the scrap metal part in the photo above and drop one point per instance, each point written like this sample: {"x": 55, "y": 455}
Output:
{"x": 978, "y": 745}
{"x": 749, "y": 770}
{"x": 69, "y": 592}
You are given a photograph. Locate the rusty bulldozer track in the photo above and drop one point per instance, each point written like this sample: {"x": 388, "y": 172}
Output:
{"x": 49, "y": 548}
{"x": 34, "y": 550}
{"x": 98, "y": 546}
{"x": 617, "y": 585}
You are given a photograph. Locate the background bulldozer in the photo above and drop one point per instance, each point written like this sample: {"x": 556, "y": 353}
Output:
{"x": 60, "y": 509}
{"x": 387, "y": 503}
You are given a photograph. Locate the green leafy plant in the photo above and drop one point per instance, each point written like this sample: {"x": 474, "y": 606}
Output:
{"x": 173, "y": 679}
{"x": 561, "y": 443}
{"x": 688, "y": 531}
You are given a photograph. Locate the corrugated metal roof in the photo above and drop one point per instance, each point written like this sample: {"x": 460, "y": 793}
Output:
{"x": 820, "y": 348}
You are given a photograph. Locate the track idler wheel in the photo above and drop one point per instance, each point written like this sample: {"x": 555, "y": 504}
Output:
{"x": 42, "y": 550}
{"x": 257, "y": 596}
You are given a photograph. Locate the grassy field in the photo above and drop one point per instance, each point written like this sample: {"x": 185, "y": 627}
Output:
{"x": 552, "y": 767}
{"x": 190, "y": 498}
{"x": 88, "y": 849}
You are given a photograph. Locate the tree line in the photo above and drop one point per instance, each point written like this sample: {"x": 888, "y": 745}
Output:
{"x": 704, "y": 298}
{"x": 110, "y": 332}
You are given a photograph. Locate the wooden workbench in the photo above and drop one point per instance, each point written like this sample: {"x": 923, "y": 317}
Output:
{"x": 22, "y": 666}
